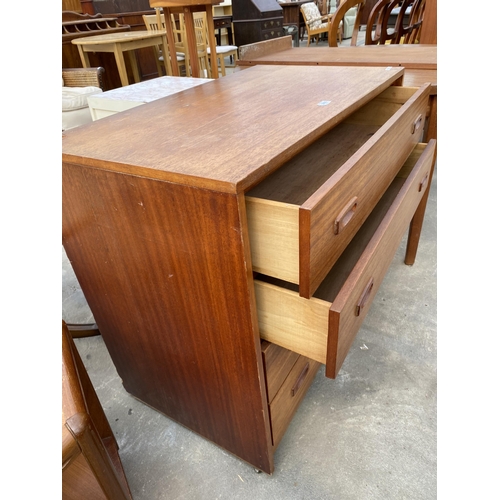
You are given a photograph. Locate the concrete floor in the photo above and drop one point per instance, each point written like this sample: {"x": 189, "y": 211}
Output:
{"x": 369, "y": 434}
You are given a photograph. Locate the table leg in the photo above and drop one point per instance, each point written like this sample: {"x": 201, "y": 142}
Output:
{"x": 211, "y": 42}
{"x": 120, "y": 63}
{"x": 171, "y": 44}
{"x": 417, "y": 222}
{"x": 166, "y": 58}
{"x": 133, "y": 62}
{"x": 84, "y": 57}
{"x": 191, "y": 41}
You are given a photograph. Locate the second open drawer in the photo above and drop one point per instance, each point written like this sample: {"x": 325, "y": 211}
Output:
{"x": 303, "y": 216}
{"x": 324, "y": 326}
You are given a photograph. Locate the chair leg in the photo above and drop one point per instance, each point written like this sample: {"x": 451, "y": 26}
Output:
{"x": 222, "y": 65}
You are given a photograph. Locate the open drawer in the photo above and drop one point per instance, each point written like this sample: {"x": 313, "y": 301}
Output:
{"x": 323, "y": 327}
{"x": 302, "y": 217}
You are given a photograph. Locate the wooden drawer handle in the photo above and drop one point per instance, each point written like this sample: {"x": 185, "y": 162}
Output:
{"x": 423, "y": 182}
{"x": 346, "y": 215}
{"x": 300, "y": 380}
{"x": 364, "y": 297}
{"x": 417, "y": 124}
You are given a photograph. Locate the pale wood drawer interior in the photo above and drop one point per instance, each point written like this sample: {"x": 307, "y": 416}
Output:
{"x": 273, "y": 206}
{"x": 316, "y": 327}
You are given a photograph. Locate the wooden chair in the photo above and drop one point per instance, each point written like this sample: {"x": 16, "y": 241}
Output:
{"x": 377, "y": 29}
{"x": 151, "y": 22}
{"x": 91, "y": 466}
{"x": 409, "y": 32}
{"x": 317, "y": 24}
{"x": 201, "y": 42}
{"x": 336, "y": 22}
{"x": 223, "y": 51}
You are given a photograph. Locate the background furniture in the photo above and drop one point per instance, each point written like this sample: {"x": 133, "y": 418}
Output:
{"x": 78, "y": 85}
{"x": 223, "y": 23}
{"x": 338, "y": 19}
{"x": 75, "y": 26}
{"x": 187, "y": 8}
{"x": 419, "y": 61}
{"x": 221, "y": 51}
{"x": 410, "y": 32}
{"x": 347, "y": 25}
{"x": 176, "y": 301}
{"x": 151, "y": 23}
{"x": 316, "y": 24}
{"x": 117, "y": 100}
{"x": 256, "y": 20}
{"x": 377, "y": 26}
{"x": 428, "y": 34}
{"x": 293, "y": 17}
{"x": 91, "y": 466}
{"x": 119, "y": 43}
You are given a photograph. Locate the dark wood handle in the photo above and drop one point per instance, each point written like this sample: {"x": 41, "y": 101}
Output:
{"x": 345, "y": 215}
{"x": 417, "y": 124}
{"x": 364, "y": 297}
{"x": 423, "y": 182}
{"x": 300, "y": 380}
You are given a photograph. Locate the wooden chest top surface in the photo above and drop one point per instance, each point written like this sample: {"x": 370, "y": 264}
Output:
{"x": 230, "y": 133}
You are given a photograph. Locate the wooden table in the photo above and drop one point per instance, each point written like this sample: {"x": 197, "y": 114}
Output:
{"x": 118, "y": 43}
{"x": 419, "y": 61}
{"x": 413, "y": 56}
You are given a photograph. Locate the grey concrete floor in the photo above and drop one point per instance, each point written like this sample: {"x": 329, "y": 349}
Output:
{"x": 369, "y": 434}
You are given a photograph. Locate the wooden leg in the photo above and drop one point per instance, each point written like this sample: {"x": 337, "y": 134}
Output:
{"x": 222, "y": 65}
{"x": 84, "y": 57}
{"x": 211, "y": 42}
{"x": 171, "y": 44}
{"x": 133, "y": 64}
{"x": 417, "y": 223}
{"x": 120, "y": 63}
{"x": 191, "y": 42}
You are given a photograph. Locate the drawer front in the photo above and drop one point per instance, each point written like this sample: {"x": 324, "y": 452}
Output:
{"x": 354, "y": 299}
{"x": 289, "y": 396}
{"x": 271, "y": 24}
{"x": 324, "y": 329}
{"x": 332, "y": 215}
{"x": 278, "y": 362}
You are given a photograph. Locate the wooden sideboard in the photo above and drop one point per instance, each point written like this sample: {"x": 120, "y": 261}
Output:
{"x": 226, "y": 253}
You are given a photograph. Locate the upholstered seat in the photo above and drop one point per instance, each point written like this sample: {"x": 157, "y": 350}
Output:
{"x": 316, "y": 24}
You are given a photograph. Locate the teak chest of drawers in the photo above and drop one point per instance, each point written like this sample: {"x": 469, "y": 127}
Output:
{"x": 227, "y": 252}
